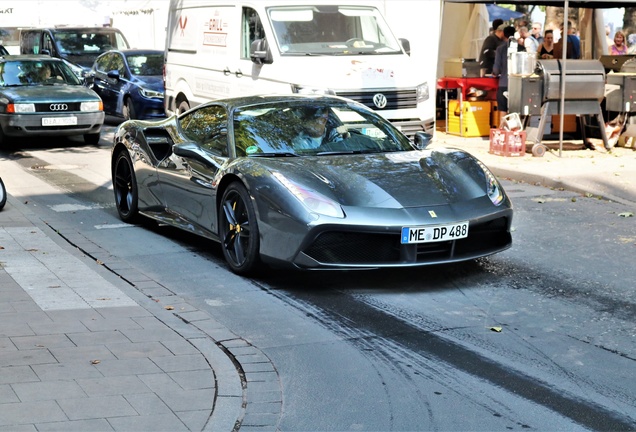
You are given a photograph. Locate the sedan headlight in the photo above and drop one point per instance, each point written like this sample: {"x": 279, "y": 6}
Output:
{"x": 422, "y": 92}
{"x": 150, "y": 93}
{"x": 314, "y": 201}
{"x": 92, "y": 106}
{"x": 21, "y": 108}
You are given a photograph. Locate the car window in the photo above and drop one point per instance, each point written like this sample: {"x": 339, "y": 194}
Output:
{"x": 208, "y": 128}
{"x": 145, "y": 64}
{"x": 111, "y": 61}
{"x": 313, "y": 129}
{"x": 36, "y": 72}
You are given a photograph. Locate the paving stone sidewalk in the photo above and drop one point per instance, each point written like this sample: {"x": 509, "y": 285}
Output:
{"x": 81, "y": 351}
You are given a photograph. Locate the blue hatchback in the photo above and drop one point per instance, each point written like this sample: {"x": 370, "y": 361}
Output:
{"x": 130, "y": 83}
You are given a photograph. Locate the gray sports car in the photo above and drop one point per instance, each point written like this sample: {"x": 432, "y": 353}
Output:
{"x": 313, "y": 182}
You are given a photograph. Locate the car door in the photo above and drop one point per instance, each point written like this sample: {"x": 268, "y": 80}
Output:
{"x": 109, "y": 87}
{"x": 188, "y": 176}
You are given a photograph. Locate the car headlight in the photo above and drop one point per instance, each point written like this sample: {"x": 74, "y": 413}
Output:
{"x": 21, "y": 108}
{"x": 150, "y": 93}
{"x": 92, "y": 106}
{"x": 306, "y": 90}
{"x": 314, "y": 201}
{"x": 422, "y": 92}
{"x": 493, "y": 188}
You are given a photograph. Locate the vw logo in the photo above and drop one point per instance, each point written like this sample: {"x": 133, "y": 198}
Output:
{"x": 379, "y": 100}
{"x": 58, "y": 107}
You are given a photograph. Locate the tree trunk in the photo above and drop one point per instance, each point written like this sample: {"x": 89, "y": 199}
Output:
{"x": 554, "y": 17}
{"x": 629, "y": 22}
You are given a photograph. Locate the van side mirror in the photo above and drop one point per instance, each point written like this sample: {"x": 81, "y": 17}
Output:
{"x": 422, "y": 140}
{"x": 260, "y": 52}
{"x": 406, "y": 45}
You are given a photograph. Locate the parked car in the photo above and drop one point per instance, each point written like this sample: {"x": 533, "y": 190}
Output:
{"x": 130, "y": 82}
{"x": 311, "y": 182}
{"x": 41, "y": 96}
{"x": 79, "y": 46}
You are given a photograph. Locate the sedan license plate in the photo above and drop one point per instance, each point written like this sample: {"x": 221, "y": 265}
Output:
{"x": 59, "y": 121}
{"x": 434, "y": 233}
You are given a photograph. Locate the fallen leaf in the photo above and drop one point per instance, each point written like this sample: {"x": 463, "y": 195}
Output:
{"x": 589, "y": 195}
{"x": 103, "y": 298}
{"x": 99, "y": 262}
{"x": 496, "y": 329}
{"x": 169, "y": 308}
{"x": 95, "y": 362}
{"x": 626, "y": 214}
{"x": 573, "y": 199}
{"x": 1, "y": 247}
{"x": 31, "y": 250}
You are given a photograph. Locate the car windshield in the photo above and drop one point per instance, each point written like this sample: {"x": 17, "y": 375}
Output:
{"x": 331, "y": 30}
{"x": 314, "y": 129}
{"x": 145, "y": 64}
{"x": 36, "y": 73}
{"x": 79, "y": 43}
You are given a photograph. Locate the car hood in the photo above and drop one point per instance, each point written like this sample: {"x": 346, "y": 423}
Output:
{"x": 57, "y": 93}
{"x": 389, "y": 180}
{"x": 151, "y": 82}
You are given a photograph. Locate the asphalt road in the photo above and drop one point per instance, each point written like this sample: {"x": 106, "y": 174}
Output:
{"x": 538, "y": 337}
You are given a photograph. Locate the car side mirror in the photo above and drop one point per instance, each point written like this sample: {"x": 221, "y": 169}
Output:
{"x": 406, "y": 45}
{"x": 260, "y": 52}
{"x": 422, "y": 140}
{"x": 114, "y": 74}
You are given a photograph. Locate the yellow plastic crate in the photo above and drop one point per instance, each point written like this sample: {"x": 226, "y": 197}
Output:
{"x": 474, "y": 121}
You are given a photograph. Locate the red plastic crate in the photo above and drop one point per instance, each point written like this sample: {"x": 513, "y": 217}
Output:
{"x": 507, "y": 143}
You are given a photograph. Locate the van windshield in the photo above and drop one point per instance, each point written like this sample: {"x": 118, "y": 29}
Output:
{"x": 72, "y": 42}
{"x": 331, "y": 30}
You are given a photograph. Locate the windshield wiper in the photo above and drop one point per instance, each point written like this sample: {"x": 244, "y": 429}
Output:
{"x": 273, "y": 154}
{"x": 346, "y": 152}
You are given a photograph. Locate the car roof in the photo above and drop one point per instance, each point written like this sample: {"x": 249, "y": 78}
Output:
{"x": 139, "y": 51}
{"x": 29, "y": 57}
{"x": 264, "y": 99}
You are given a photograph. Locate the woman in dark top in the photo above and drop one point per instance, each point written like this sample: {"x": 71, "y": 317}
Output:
{"x": 546, "y": 49}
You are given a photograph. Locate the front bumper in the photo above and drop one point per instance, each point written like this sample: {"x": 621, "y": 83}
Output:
{"x": 19, "y": 125}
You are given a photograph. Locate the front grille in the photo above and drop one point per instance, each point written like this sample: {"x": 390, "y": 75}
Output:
{"x": 359, "y": 248}
{"x": 355, "y": 248}
{"x": 396, "y": 99}
{"x": 46, "y": 107}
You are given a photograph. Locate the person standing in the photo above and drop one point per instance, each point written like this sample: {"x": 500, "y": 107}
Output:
{"x": 546, "y": 49}
{"x": 573, "y": 44}
{"x": 487, "y": 53}
{"x": 619, "y": 47}
{"x": 536, "y": 32}
{"x": 500, "y": 69}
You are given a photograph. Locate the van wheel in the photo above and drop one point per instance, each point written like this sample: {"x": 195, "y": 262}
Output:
{"x": 183, "y": 107}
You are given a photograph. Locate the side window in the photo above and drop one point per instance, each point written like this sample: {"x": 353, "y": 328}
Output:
{"x": 251, "y": 29}
{"x": 208, "y": 128}
{"x": 30, "y": 42}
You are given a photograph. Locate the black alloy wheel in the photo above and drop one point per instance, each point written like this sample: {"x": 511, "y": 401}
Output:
{"x": 125, "y": 186}
{"x": 239, "y": 230}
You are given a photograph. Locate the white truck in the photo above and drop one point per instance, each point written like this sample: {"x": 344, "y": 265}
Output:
{"x": 217, "y": 49}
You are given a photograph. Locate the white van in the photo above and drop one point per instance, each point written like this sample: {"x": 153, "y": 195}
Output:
{"x": 217, "y": 49}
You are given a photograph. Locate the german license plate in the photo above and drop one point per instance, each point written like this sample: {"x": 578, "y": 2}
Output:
{"x": 434, "y": 233}
{"x": 59, "y": 121}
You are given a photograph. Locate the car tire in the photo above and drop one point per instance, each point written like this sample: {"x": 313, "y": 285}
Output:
{"x": 3, "y": 195}
{"x": 129, "y": 110}
{"x": 125, "y": 188}
{"x": 92, "y": 139}
{"x": 4, "y": 140}
{"x": 183, "y": 107}
{"x": 238, "y": 230}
